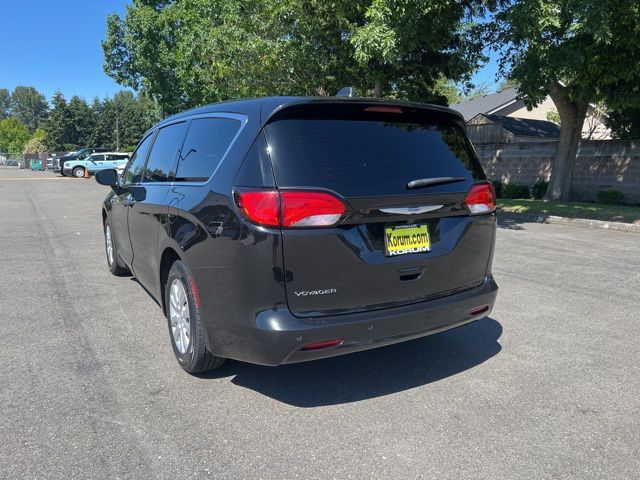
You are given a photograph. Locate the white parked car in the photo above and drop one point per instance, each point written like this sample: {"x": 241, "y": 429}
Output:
{"x": 94, "y": 163}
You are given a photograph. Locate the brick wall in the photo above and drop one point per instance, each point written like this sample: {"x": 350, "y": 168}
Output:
{"x": 601, "y": 165}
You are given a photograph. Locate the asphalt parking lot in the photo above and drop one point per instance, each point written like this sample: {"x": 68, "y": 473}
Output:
{"x": 548, "y": 387}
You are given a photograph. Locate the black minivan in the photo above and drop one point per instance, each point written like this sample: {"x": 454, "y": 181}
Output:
{"x": 285, "y": 229}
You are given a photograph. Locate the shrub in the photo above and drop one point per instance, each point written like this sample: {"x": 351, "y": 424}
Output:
{"x": 610, "y": 197}
{"x": 539, "y": 189}
{"x": 516, "y": 190}
{"x": 497, "y": 185}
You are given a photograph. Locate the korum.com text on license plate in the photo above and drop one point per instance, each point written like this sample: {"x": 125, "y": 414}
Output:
{"x": 402, "y": 239}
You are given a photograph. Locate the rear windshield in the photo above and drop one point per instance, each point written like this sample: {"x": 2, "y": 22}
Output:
{"x": 368, "y": 157}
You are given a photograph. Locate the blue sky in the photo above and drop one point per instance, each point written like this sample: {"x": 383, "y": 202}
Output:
{"x": 55, "y": 45}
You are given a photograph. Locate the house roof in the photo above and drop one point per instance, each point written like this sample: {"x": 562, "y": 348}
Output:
{"x": 526, "y": 127}
{"x": 486, "y": 104}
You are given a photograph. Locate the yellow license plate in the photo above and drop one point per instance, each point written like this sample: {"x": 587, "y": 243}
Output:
{"x": 403, "y": 239}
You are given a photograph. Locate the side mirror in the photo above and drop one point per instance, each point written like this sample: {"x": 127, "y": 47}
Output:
{"x": 108, "y": 177}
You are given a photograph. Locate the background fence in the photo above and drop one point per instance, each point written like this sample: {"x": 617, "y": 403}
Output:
{"x": 601, "y": 165}
{"x": 24, "y": 160}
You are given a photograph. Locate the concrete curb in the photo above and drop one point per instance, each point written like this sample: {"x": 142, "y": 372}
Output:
{"x": 576, "y": 222}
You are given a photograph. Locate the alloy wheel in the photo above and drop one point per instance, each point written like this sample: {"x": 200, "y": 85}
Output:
{"x": 179, "y": 316}
{"x": 109, "y": 243}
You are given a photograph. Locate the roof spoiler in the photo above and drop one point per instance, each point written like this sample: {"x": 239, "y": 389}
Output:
{"x": 330, "y": 104}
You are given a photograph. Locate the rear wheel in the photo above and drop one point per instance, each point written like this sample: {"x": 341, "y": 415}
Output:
{"x": 185, "y": 324}
{"x": 112, "y": 254}
{"x": 78, "y": 172}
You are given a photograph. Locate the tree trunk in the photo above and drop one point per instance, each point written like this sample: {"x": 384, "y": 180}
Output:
{"x": 377, "y": 89}
{"x": 572, "y": 116}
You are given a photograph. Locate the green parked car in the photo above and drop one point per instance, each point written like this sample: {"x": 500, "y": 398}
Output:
{"x": 36, "y": 164}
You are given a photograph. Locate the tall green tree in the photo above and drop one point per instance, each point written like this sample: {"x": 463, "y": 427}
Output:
{"x": 13, "y": 136}
{"x": 576, "y": 51}
{"x": 5, "y": 103}
{"x": 101, "y": 133}
{"x": 122, "y": 120}
{"x": 188, "y": 52}
{"x": 29, "y": 106}
{"x": 59, "y": 127}
{"x": 83, "y": 121}
{"x": 134, "y": 115}
{"x": 406, "y": 46}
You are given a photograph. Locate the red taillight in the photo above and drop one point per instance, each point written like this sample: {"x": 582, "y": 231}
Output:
{"x": 481, "y": 198}
{"x": 261, "y": 207}
{"x": 310, "y": 209}
{"x": 324, "y": 344}
{"x": 290, "y": 208}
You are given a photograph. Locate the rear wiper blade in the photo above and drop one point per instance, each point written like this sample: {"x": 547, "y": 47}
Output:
{"x": 431, "y": 182}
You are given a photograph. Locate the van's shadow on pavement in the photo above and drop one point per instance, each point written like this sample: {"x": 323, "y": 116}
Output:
{"x": 373, "y": 373}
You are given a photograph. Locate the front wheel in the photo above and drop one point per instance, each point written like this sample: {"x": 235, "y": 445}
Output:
{"x": 185, "y": 324}
{"x": 78, "y": 172}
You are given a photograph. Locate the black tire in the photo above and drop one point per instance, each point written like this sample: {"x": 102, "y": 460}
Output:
{"x": 196, "y": 358}
{"x": 113, "y": 261}
{"x": 76, "y": 172}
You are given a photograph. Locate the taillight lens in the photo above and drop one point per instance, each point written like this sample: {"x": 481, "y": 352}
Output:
{"x": 290, "y": 209}
{"x": 310, "y": 209}
{"x": 260, "y": 207}
{"x": 481, "y": 198}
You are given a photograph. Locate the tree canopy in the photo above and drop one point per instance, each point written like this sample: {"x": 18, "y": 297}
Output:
{"x": 13, "y": 135}
{"x": 28, "y": 106}
{"x": 5, "y": 103}
{"x": 578, "y": 52}
{"x": 185, "y": 53}
{"x": 116, "y": 123}
{"x": 624, "y": 123}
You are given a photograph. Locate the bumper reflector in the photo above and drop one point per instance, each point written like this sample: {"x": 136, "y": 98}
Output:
{"x": 479, "y": 310}
{"x": 323, "y": 344}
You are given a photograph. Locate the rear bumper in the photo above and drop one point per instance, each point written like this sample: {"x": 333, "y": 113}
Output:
{"x": 279, "y": 336}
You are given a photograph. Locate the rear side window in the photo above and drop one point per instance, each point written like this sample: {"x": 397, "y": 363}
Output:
{"x": 207, "y": 141}
{"x": 133, "y": 173}
{"x": 162, "y": 159}
{"x": 368, "y": 157}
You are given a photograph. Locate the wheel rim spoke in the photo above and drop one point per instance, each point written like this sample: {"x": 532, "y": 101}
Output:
{"x": 179, "y": 316}
{"x": 109, "y": 245}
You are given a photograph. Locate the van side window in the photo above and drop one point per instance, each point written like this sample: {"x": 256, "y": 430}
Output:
{"x": 133, "y": 173}
{"x": 162, "y": 159}
{"x": 207, "y": 141}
